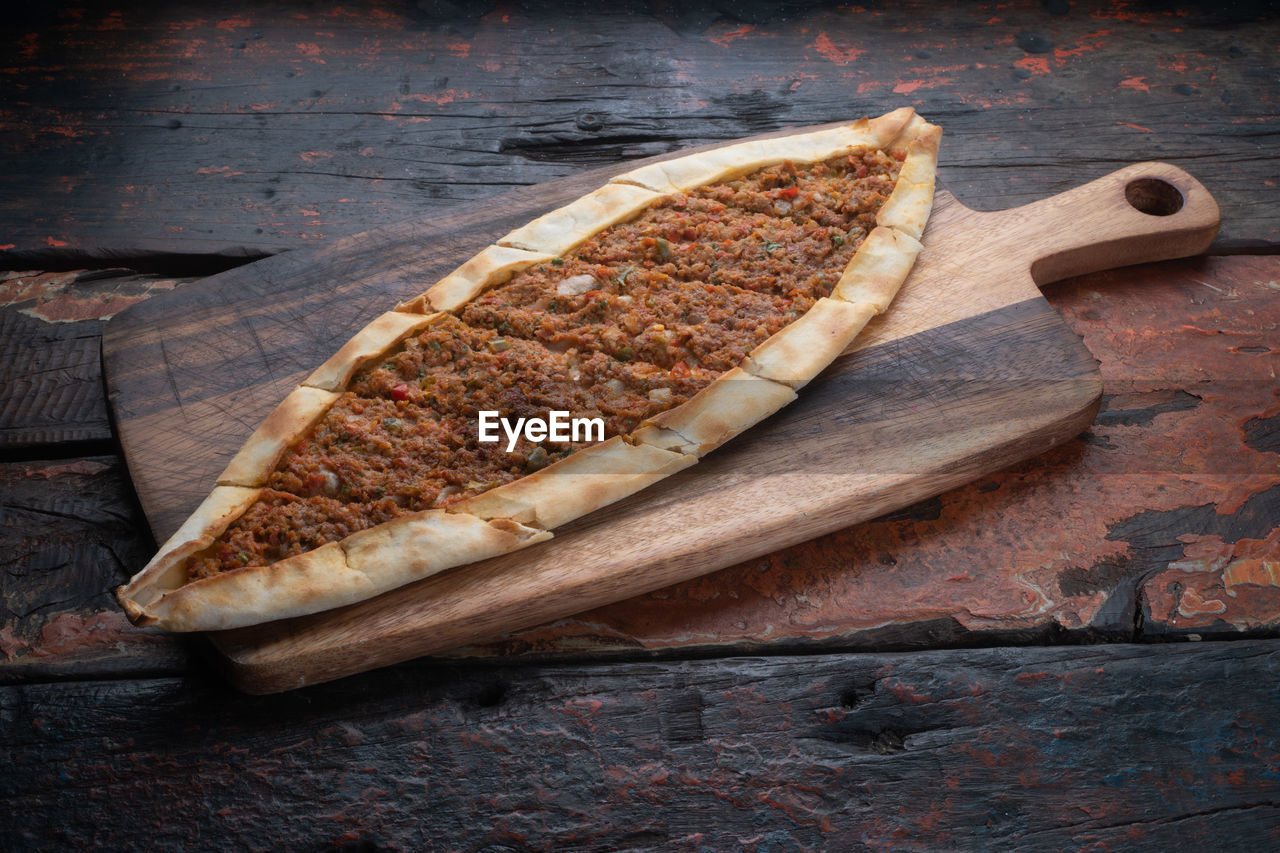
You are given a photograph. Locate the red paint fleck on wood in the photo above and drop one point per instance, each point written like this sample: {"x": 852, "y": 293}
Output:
{"x": 459, "y": 49}
{"x": 839, "y": 54}
{"x": 28, "y": 45}
{"x": 235, "y": 22}
{"x": 1138, "y": 84}
{"x": 732, "y": 35}
{"x": 1218, "y": 583}
{"x": 1192, "y": 604}
{"x": 71, "y": 632}
{"x": 11, "y": 643}
{"x": 1135, "y": 126}
{"x": 1090, "y": 42}
{"x": 311, "y": 51}
{"x": 73, "y": 309}
{"x": 55, "y": 242}
{"x": 440, "y": 98}
{"x": 1249, "y": 571}
{"x": 59, "y": 298}
{"x": 985, "y": 757}
{"x": 83, "y": 467}
{"x": 1034, "y": 64}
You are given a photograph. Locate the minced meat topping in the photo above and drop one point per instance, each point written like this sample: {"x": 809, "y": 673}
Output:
{"x": 633, "y": 322}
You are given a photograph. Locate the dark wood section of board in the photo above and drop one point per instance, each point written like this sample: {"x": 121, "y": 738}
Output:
{"x": 1125, "y": 747}
{"x": 190, "y": 137}
{"x": 219, "y": 132}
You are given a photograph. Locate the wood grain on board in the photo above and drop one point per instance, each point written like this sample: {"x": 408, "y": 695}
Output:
{"x": 971, "y": 371}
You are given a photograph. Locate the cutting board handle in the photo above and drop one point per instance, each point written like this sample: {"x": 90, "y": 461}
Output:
{"x": 1141, "y": 213}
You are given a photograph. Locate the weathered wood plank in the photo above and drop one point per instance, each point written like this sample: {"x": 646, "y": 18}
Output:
{"x": 70, "y": 532}
{"x": 51, "y": 390}
{"x": 1112, "y": 748}
{"x": 216, "y": 130}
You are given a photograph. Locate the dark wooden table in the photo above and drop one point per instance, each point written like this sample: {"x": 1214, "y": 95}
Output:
{"x": 1076, "y": 653}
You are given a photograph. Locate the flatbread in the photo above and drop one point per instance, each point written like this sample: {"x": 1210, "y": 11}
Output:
{"x": 523, "y": 512}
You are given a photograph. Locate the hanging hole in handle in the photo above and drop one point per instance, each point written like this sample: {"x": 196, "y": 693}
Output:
{"x": 1154, "y": 196}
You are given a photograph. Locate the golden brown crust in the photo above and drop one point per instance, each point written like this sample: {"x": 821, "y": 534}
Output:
{"x": 291, "y": 419}
{"x": 339, "y": 573}
{"x": 694, "y": 170}
{"x": 560, "y": 230}
{"x": 799, "y": 352}
{"x": 726, "y": 407}
{"x": 909, "y": 206}
{"x": 878, "y": 268}
{"x": 382, "y": 333}
{"x": 306, "y": 583}
{"x": 420, "y": 545}
{"x": 167, "y": 571}
{"x": 583, "y": 482}
{"x": 492, "y": 266}
{"x": 824, "y": 144}
{"x": 719, "y": 164}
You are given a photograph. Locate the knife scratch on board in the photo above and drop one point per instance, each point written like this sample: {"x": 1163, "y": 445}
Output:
{"x": 173, "y": 382}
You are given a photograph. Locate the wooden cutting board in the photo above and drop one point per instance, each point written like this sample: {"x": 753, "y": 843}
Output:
{"x": 968, "y": 372}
